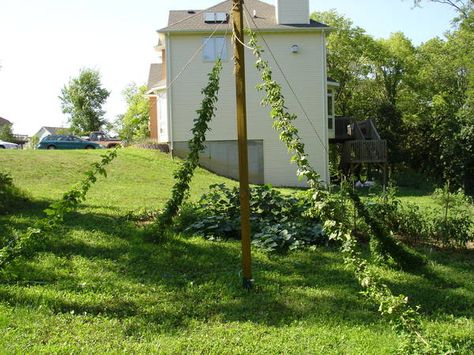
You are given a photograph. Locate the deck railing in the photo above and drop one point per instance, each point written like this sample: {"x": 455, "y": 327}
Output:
{"x": 365, "y": 151}
{"x": 21, "y": 138}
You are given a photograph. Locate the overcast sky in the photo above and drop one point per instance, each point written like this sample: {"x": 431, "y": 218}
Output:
{"x": 43, "y": 43}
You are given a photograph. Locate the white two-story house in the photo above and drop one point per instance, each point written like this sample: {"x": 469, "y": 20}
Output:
{"x": 187, "y": 55}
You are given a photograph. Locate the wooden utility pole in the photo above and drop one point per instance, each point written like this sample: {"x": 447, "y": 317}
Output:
{"x": 239, "y": 55}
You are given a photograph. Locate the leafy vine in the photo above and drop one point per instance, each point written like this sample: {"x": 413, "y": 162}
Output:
{"x": 27, "y": 243}
{"x": 404, "y": 319}
{"x": 185, "y": 172}
{"x": 282, "y": 119}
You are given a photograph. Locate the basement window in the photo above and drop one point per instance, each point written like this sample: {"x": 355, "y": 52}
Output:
{"x": 214, "y": 48}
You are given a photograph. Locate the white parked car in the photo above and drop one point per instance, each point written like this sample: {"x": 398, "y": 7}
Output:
{"x": 8, "y": 145}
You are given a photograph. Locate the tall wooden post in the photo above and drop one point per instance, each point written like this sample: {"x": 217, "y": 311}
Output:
{"x": 239, "y": 55}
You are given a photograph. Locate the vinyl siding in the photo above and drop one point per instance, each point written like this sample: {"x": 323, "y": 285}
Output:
{"x": 306, "y": 74}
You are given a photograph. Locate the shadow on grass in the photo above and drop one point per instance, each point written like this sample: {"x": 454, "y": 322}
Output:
{"x": 175, "y": 283}
{"x": 24, "y": 216}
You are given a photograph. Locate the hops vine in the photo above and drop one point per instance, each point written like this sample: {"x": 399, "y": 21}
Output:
{"x": 27, "y": 243}
{"x": 282, "y": 119}
{"x": 185, "y": 172}
{"x": 404, "y": 319}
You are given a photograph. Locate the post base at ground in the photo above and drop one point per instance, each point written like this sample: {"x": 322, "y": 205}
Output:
{"x": 247, "y": 283}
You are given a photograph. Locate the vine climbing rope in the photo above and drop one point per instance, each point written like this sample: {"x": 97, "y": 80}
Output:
{"x": 185, "y": 171}
{"x": 405, "y": 257}
{"x": 404, "y": 318}
{"x": 26, "y": 243}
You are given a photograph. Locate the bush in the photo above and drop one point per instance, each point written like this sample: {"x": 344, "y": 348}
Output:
{"x": 413, "y": 222}
{"x": 278, "y": 222}
{"x": 451, "y": 225}
{"x": 10, "y": 196}
{"x": 453, "y": 231}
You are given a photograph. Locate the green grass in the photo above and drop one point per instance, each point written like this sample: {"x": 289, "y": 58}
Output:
{"x": 97, "y": 287}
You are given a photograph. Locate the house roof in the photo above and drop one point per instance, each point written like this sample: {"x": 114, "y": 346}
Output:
{"x": 51, "y": 130}
{"x": 4, "y": 121}
{"x": 155, "y": 76}
{"x": 265, "y": 19}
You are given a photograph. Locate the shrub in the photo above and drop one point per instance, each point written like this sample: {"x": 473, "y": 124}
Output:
{"x": 453, "y": 226}
{"x": 413, "y": 222}
{"x": 279, "y": 222}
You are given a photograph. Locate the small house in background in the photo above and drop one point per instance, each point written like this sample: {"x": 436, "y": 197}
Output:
{"x": 46, "y": 131}
{"x": 187, "y": 49}
{"x": 158, "y": 103}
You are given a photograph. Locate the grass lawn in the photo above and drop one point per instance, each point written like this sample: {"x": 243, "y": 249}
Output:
{"x": 97, "y": 287}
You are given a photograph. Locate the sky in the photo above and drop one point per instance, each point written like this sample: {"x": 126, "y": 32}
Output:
{"x": 44, "y": 43}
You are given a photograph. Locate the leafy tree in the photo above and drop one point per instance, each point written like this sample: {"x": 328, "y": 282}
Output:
{"x": 64, "y": 130}
{"x": 348, "y": 47}
{"x": 463, "y": 7}
{"x": 6, "y": 133}
{"x": 82, "y": 100}
{"x": 134, "y": 124}
{"x": 421, "y": 97}
{"x": 33, "y": 142}
{"x": 441, "y": 139}
{"x": 393, "y": 63}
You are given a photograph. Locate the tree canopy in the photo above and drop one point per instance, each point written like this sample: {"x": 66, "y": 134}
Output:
{"x": 82, "y": 99}
{"x": 134, "y": 124}
{"x": 6, "y": 133}
{"x": 463, "y": 7}
{"x": 421, "y": 97}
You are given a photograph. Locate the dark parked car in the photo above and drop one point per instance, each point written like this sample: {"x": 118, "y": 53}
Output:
{"x": 66, "y": 142}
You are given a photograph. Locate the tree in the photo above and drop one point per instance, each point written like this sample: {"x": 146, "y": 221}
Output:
{"x": 6, "y": 133}
{"x": 393, "y": 63}
{"x": 82, "y": 100}
{"x": 463, "y": 7}
{"x": 422, "y": 98}
{"x": 441, "y": 140}
{"x": 348, "y": 46}
{"x": 134, "y": 124}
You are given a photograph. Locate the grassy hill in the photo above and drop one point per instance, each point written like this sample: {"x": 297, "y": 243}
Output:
{"x": 98, "y": 287}
{"x": 137, "y": 178}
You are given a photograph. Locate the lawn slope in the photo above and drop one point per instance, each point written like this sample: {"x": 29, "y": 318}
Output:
{"x": 97, "y": 287}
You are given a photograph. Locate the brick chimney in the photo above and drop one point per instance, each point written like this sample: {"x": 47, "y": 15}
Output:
{"x": 292, "y": 12}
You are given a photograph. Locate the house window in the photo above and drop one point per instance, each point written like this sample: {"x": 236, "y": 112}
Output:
{"x": 216, "y": 17}
{"x": 214, "y": 48}
{"x": 330, "y": 109}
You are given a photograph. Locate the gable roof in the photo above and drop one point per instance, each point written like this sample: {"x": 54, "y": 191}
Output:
{"x": 193, "y": 20}
{"x": 155, "y": 76}
{"x": 50, "y": 130}
{"x": 4, "y": 121}
{"x": 53, "y": 130}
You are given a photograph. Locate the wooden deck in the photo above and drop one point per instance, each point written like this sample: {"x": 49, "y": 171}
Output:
{"x": 365, "y": 151}
{"x": 20, "y": 139}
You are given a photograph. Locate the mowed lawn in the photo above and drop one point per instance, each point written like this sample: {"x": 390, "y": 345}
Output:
{"x": 98, "y": 287}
